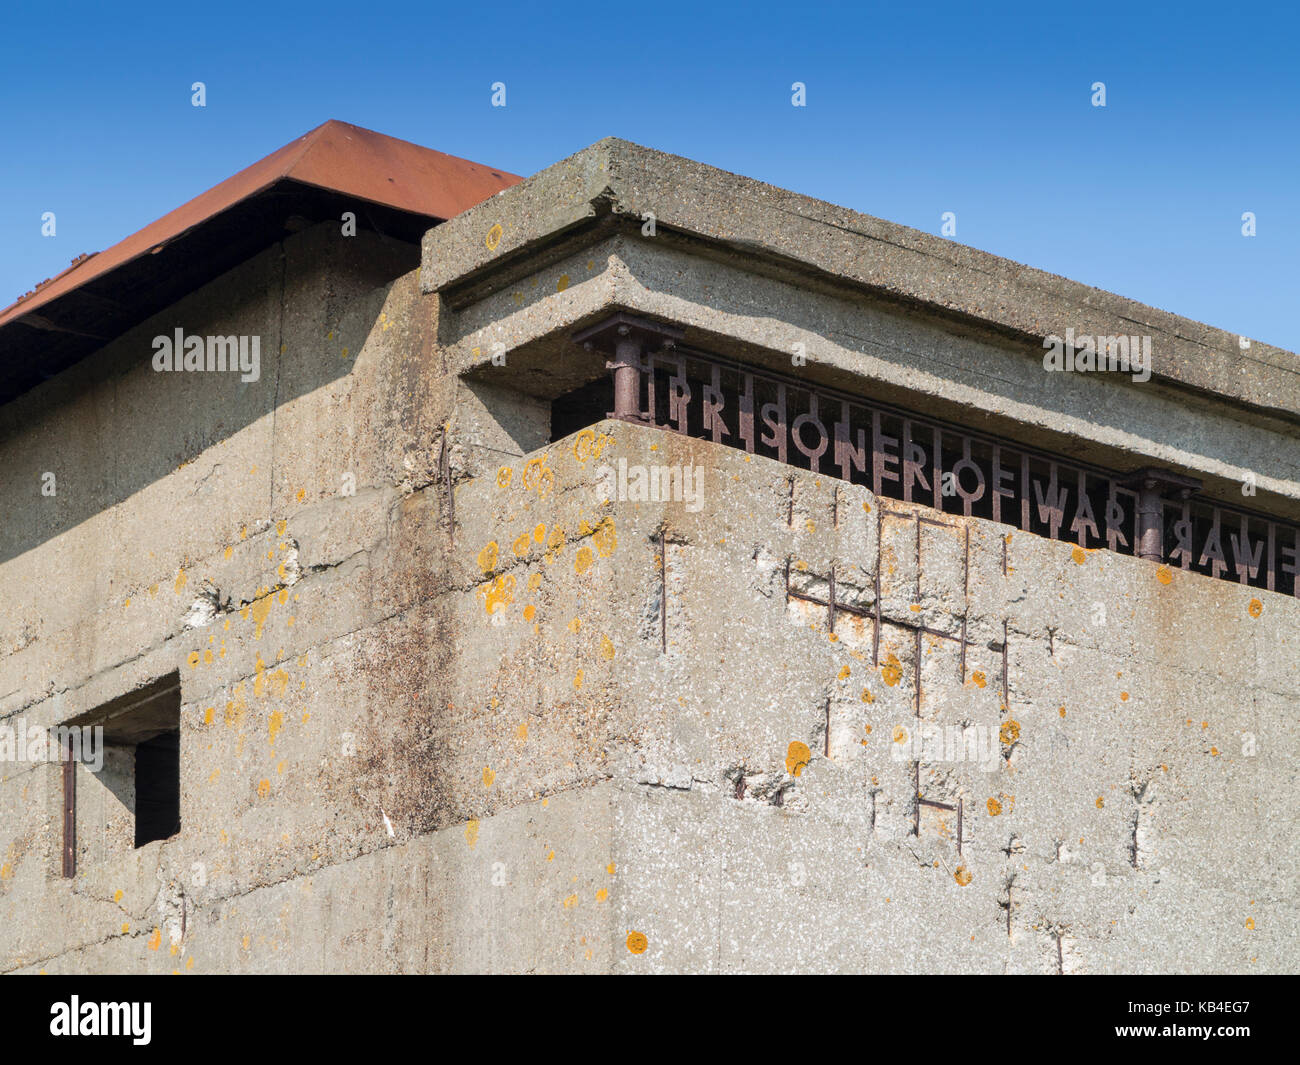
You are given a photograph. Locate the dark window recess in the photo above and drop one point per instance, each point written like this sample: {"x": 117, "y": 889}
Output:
{"x": 142, "y": 735}
{"x": 157, "y": 788}
{"x": 582, "y": 407}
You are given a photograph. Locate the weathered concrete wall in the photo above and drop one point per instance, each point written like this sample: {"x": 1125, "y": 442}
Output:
{"x": 448, "y": 703}
{"x": 1135, "y": 809}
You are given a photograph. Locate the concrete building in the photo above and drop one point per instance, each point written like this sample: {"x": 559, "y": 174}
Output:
{"x": 634, "y": 568}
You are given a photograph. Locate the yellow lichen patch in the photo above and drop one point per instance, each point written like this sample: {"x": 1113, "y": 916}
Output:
{"x": 155, "y": 940}
{"x": 521, "y": 545}
{"x": 605, "y": 537}
{"x": 522, "y": 732}
{"x": 126, "y": 927}
{"x": 263, "y": 788}
{"x": 1062, "y": 711}
{"x": 979, "y": 678}
{"x": 539, "y": 533}
{"x": 181, "y": 580}
{"x": 1100, "y": 802}
{"x": 892, "y": 670}
{"x": 471, "y": 832}
{"x": 602, "y": 894}
{"x": 488, "y": 776}
{"x": 900, "y": 734}
{"x": 1255, "y": 608}
{"x": 583, "y": 561}
{"x": 192, "y": 660}
{"x": 274, "y": 725}
{"x": 1250, "y": 923}
{"x": 575, "y": 625}
{"x": 962, "y": 876}
{"x": 487, "y": 558}
{"x": 529, "y": 611}
{"x": 610, "y": 868}
{"x": 534, "y": 582}
{"x": 606, "y": 648}
{"x": 577, "y": 680}
{"x": 1164, "y": 575}
{"x": 797, "y": 755}
{"x": 1079, "y": 555}
{"x": 1123, "y": 697}
{"x": 237, "y": 707}
{"x": 260, "y": 610}
{"x": 498, "y": 593}
{"x": 493, "y": 237}
{"x": 1010, "y": 731}
{"x": 504, "y": 476}
{"x": 637, "y": 942}
{"x": 845, "y": 673}
{"x": 867, "y": 697}
{"x": 537, "y": 475}
{"x": 995, "y": 807}
{"x": 1214, "y": 752}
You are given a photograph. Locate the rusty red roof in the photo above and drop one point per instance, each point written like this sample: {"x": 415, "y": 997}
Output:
{"x": 100, "y": 295}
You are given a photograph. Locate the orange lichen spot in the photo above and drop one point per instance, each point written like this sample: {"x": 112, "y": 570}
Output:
{"x": 575, "y": 625}
{"x": 962, "y": 876}
{"x": 915, "y": 608}
{"x": 209, "y": 714}
{"x": 550, "y": 857}
{"x": 155, "y": 940}
{"x": 900, "y": 734}
{"x": 577, "y": 680}
{"x": 280, "y": 526}
{"x": 1164, "y": 575}
{"x": 499, "y": 593}
{"x": 521, "y": 733}
{"x": 797, "y": 755}
{"x": 995, "y": 807}
{"x": 602, "y": 894}
{"x": 605, "y": 537}
{"x": 1214, "y": 752}
{"x": 583, "y": 561}
{"x": 892, "y": 671}
{"x": 1255, "y": 608}
{"x": 979, "y": 678}
{"x": 529, "y": 611}
{"x": 263, "y": 788}
{"x": 229, "y": 553}
{"x": 504, "y": 476}
{"x": 610, "y": 868}
{"x": 571, "y": 902}
{"x": 1079, "y": 555}
{"x": 1062, "y": 711}
{"x": 207, "y": 657}
{"x": 1250, "y": 923}
{"x": 302, "y": 492}
{"x": 867, "y": 697}
{"x": 488, "y": 776}
{"x": 1010, "y": 731}
{"x": 1123, "y": 697}
{"x": 606, "y": 648}
{"x": 845, "y": 673}
{"x": 539, "y": 533}
{"x": 637, "y": 942}
{"x": 214, "y": 775}
{"x": 274, "y": 725}
{"x": 181, "y": 580}
{"x": 192, "y": 660}
{"x": 471, "y": 832}
{"x": 1100, "y": 802}
{"x": 521, "y": 545}
{"x": 534, "y": 582}
{"x": 487, "y": 558}
{"x": 126, "y": 927}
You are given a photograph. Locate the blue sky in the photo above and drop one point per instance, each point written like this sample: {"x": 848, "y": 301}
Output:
{"x": 912, "y": 110}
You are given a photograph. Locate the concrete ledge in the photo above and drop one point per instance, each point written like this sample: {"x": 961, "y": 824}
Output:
{"x": 613, "y": 183}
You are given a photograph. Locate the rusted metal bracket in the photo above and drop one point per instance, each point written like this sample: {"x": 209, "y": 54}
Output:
{"x": 626, "y": 338}
{"x": 1153, "y": 487}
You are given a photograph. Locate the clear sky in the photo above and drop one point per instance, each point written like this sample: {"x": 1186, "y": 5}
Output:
{"x": 913, "y": 110}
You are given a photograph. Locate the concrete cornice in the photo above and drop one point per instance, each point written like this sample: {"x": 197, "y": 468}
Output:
{"x": 613, "y": 184}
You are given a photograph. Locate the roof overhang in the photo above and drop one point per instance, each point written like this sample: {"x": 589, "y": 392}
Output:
{"x": 396, "y": 188}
